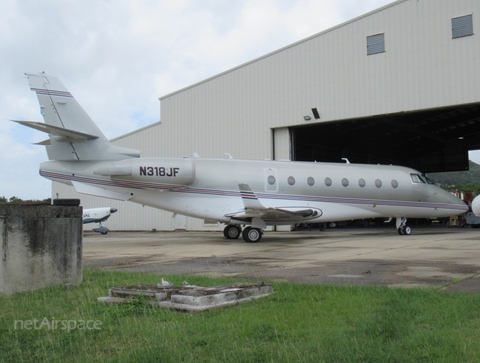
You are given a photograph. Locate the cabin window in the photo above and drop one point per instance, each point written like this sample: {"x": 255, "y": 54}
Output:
{"x": 345, "y": 182}
{"x": 291, "y": 180}
{"x": 416, "y": 179}
{"x": 361, "y": 182}
{"x": 310, "y": 181}
{"x": 271, "y": 180}
{"x": 394, "y": 184}
{"x": 378, "y": 183}
{"x": 328, "y": 182}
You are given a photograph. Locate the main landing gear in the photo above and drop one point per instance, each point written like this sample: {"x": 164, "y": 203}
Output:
{"x": 252, "y": 235}
{"x": 232, "y": 231}
{"x": 100, "y": 229}
{"x": 402, "y": 227}
{"x": 249, "y": 234}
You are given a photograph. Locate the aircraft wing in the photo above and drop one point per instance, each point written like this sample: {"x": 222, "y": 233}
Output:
{"x": 254, "y": 209}
{"x": 293, "y": 214}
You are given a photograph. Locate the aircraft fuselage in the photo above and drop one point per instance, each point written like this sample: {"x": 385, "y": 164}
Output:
{"x": 209, "y": 188}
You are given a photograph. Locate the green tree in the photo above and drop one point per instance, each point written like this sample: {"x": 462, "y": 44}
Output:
{"x": 15, "y": 200}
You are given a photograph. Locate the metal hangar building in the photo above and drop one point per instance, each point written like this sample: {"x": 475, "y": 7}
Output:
{"x": 399, "y": 85}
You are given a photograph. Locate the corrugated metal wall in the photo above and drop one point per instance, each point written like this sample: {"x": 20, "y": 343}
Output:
{"x": 422, "y": 67}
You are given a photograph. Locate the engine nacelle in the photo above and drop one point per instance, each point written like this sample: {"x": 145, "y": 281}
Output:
{"x": 179, "y": 172}
{"x": 163, "y": 171}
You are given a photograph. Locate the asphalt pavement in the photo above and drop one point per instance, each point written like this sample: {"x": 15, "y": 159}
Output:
{"x": 434, "y": 255}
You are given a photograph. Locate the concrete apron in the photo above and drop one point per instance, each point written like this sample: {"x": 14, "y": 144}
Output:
{"x": 437, "y": 256}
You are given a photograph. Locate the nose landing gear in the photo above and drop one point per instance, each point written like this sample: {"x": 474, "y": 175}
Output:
{"x": 100, "y": 229}
{"x": 402, "y": 227}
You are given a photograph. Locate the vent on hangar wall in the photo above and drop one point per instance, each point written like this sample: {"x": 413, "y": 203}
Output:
{"x": 462, "y": 26}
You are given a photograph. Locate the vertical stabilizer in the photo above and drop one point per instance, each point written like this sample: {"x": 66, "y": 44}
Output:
{"x": 73, "y": 134}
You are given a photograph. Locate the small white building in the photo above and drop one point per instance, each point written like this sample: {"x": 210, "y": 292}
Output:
{"x": 398, "y": 85}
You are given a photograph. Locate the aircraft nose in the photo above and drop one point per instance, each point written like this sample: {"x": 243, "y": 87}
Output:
{"x": 476, "y": 205}
{"x": 444, "y": 196}
{"x": 113, "y": 210}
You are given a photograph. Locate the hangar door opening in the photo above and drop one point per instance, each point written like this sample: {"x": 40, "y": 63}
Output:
{"x": 434, "y": 140}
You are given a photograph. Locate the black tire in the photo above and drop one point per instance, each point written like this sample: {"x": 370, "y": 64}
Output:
{"x": 407, "y": 230}
{"x": 252, "y": 235}
{"x": 231, "y": 232}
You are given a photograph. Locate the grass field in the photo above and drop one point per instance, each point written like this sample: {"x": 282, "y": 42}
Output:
{"x": 298, "y": 323}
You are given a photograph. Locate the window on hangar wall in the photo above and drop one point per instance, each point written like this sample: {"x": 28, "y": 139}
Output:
{"x": 375, "y": 44}
{"x": 462, "y": 26}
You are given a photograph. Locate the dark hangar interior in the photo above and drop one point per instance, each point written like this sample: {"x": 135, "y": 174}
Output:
{"x": 436, "y": 140}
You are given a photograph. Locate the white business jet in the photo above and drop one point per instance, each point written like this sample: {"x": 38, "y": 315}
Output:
{"x": 239, "y": 193}
{"x": 98, "y": 215}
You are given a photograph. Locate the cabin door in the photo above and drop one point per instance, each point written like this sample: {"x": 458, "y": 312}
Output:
{"x": 271, "y": 180}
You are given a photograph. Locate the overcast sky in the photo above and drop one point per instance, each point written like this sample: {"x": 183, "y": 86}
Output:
{"x": 117, "y": 57}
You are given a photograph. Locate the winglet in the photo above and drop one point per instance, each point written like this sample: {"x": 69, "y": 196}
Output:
{"x": 249, "y": 198}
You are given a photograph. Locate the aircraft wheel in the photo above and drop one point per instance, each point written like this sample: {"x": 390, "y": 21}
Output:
{"x": 400, "y": 231}
{"x": 405, "y": 230}
{"x": 231, "y": 232}
{"x": 252, "y": 235}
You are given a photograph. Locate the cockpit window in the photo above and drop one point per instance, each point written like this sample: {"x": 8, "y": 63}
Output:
{"x": 417, "y": 179}
{"x": 427, "y": 180}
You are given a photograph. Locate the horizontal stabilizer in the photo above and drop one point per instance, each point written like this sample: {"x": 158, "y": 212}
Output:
{"x": 99, "y": 191}
{"x": 69, "y": 135}
{"x": 44, "y": 143}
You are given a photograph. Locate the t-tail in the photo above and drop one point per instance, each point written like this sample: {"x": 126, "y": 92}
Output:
{"x": 72, "y": 133}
